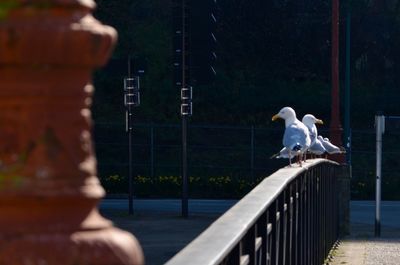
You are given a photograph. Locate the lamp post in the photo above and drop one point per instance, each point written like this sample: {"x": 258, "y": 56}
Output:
{"x": 131, "y": 99}
{"x": 347, "y": 126}
{"x": 335, "y": 126}
{"x": 182, "y": 70}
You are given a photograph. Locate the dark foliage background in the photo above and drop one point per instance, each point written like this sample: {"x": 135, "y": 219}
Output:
{"x": 270, "y": 54}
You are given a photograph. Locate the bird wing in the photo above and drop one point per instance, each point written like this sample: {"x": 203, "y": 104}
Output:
{"x": 330, "y": 148}
{"x": 284, "y": 153}
{"x": 296, "y": 134}
{"x": 317, "y": 148}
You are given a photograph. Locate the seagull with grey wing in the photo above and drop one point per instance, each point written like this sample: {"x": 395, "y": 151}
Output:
{"x": 330, "y": 148}
{"x": 296, "y": 138}
{"x": 316, "y": 147}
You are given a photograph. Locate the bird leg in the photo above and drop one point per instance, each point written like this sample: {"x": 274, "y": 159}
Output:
{"x": 290, "y": 159}
{"x": 299, "y": 158}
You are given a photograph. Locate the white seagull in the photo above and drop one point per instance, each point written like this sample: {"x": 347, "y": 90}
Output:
{"x": 316, "y": 146}
{"x": 329, "y": 147}
{"x": 296, "y": 138}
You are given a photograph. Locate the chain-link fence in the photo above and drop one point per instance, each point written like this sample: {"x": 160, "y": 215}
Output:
{"x": 224, "y": 161}
{"x": 219, "y": 154}
{"x": 364, "y": 165}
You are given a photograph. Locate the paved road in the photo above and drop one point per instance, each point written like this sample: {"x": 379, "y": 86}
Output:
{"x": 162, "y": 232}
{"x": 158, "y": 224}
{"x": 169, "y": 206}
{"x": 362, "y": 218}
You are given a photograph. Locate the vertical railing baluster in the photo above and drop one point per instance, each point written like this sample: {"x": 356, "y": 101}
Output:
{"x": 269, "y": 242}
{"x": 324, "y": 210}
{"x": 331, "y": 209}
{"x": 303, "y": 250}
{"x": 313, "y": 217}
{"x": 309, "y": 202}
{"x": 283, "y": 234}
{"x": 307, "y": 229}
{"x": 262, "y": 232}
{"x": 312, "y": 214}
{"x": 273, "y": 212}
{"x": 319, "y": 199}
{"x": 291, "y": 220}
{"x": 328, "y": 211}
{"x": 336, "y": 200}
{"x": 249, "y": 244}
{"x": 235, "y": 255}
{"x": 297, "y": 234}
{"x": 278, "y": 232}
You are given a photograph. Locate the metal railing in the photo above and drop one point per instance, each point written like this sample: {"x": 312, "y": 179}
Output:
{"x": 291, "y": 217}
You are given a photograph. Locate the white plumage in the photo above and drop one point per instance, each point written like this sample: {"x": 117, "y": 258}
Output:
{"x": 316, "y": 146}
{"x": 329, "y": 147}
{"x": 296, "y": 138}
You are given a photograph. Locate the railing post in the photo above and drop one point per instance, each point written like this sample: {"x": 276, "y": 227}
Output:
{"x": 308, "y": 218}
{"x": 312, "y": 216}
{"x": 291, "y": 202}
{"x": 284, "y": 214}
{"x": 343, "y": 177}
{"x": 297, "y": 222}
{"x": 262, "y": 225}
{"x": 302, "y": 223}
{"x": 274, "y": 216}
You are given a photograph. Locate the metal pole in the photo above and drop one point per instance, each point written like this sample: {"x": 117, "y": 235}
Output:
{"x": 184, "y": 120}
{"x": 335, "y": 126}
{"x": 252, "y": 153}
{"x": 348, "y": 85}
{"x": 152, "y": 150}
{"x": 380, "y": 129}
{"x": 130, "y": 155}
{"x": 185, "y": 193}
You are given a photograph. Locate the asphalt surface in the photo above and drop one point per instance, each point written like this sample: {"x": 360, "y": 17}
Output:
{"x": 362, "y": 219}
{"x": 162, "y": 232}
{"x": 159, "y": 226}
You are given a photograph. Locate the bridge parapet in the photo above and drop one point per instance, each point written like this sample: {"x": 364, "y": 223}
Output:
{"x": 291, "y": 217}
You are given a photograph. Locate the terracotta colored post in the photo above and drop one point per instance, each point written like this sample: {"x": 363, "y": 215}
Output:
{"x": 48, "y": 184}
{"x": 335, "y": 126}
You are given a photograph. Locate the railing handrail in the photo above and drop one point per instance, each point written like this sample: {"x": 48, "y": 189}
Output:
{"x": 211, "y": 246}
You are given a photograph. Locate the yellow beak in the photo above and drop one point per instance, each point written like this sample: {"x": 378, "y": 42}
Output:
{"x": 319, "y": 121}
{"x": 275, "y": 117}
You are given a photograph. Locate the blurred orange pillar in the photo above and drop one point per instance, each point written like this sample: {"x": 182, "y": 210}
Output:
{"x": 48, "y": 184}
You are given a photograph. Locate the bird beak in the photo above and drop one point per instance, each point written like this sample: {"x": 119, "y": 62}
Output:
{"x": 275, "y": 117}
{"x": 319, "y": 121}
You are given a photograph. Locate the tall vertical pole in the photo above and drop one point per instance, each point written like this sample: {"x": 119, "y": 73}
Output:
{"x": 380, "y": 129}
{"x": 335, "y": 126}
{"x": 130, "y": 155}
{"x": 347, "y": 129}
{"x": 252, "y": 147}
{"x": 185, "y": 195}
{"x": 152, "y": 150}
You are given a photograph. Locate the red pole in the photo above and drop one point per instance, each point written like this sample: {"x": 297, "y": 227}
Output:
{"x": 335, "y": 126}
